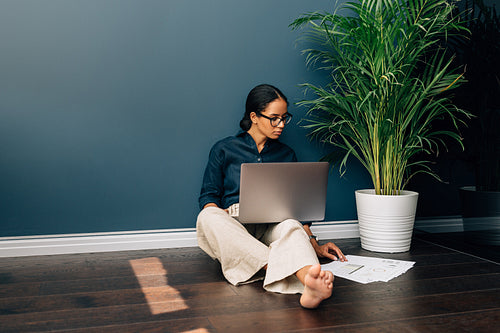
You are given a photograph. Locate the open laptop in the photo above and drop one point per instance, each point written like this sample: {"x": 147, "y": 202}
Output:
{"x": 274, "y": 192}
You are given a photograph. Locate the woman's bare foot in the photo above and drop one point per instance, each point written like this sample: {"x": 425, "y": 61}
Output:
{"x": 318, "y": 286}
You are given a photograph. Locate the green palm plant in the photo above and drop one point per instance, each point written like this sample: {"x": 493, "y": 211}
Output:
{"x": 390, "y": 78}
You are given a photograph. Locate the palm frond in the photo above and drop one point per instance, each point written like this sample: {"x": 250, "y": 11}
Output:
{"x": 390, "y": 79}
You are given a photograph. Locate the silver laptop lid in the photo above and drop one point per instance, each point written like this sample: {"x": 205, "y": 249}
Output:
{"x": 274, "y": 192}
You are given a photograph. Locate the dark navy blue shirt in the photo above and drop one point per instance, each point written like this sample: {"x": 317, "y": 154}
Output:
{"x": 221, "y": 182}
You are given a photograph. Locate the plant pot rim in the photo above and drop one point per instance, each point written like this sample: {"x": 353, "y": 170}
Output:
{"x": 372, "y": 192}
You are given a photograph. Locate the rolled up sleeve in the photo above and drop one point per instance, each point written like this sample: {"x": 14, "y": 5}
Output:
{"x": 212, "y": 188}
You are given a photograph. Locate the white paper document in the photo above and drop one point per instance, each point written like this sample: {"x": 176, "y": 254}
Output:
{"x": 368, "y": 269}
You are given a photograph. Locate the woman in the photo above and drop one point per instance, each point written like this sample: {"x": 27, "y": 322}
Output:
{"x": 287, "y": 252}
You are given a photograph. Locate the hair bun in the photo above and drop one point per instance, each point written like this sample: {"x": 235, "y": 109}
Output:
{"x": 245, "y": 124}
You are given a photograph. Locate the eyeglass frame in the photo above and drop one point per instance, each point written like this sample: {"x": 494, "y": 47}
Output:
{"x": 287, "y": 120}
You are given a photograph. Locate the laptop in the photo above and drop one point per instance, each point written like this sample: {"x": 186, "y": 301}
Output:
{"x": 274, "y": 192}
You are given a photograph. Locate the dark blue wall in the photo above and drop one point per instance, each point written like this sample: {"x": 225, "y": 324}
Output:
{"x": 108, "y": 108}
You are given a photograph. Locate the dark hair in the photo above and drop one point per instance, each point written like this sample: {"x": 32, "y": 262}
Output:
{"x": 257, "y": 100}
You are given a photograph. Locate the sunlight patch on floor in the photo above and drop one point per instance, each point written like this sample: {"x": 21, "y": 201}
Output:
{"x": 152, "y": 278}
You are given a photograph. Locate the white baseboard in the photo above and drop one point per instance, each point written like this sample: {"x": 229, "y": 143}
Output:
{"x": 336, "y": 229}
{"x": 96, "y": 242}
{"x": 437, "y": 225}
{"x": 135, "y": 240}
{"x": 170, "y": 238}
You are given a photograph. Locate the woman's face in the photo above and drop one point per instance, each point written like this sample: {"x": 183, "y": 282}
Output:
{"x": 277, "y": 108}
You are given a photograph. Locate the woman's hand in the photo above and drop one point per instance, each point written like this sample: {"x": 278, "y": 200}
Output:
{"x": 328, "y": 250}
{"x": 211, "y": 204}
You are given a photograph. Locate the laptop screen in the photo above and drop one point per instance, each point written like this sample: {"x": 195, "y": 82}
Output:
{"x": 274, "y": 192}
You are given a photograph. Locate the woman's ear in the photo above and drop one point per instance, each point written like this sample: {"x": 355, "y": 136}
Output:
{"x": 253, "y": 117}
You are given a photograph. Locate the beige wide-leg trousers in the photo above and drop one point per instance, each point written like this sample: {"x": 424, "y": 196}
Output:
{"x": 243, "y": 250}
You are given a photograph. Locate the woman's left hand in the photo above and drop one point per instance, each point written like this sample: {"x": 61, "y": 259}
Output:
{"x": 327, "y": 250}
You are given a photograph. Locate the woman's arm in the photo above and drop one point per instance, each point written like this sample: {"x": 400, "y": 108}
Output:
{"x": 213, "y": 180}
{"x": 211, "y": 204}
{"x": 325, "y": 250}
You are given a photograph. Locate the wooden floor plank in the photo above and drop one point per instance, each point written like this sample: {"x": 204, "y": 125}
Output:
{"x": 360, "y": 312}
{"x": 350, "y": 298}
{"x": 484, "y": 321}
{"x": 195, "y": 325}
{"x": 18, "y": 305}
{"x": 183, "y": 290}
{"x": 82, "y": 270}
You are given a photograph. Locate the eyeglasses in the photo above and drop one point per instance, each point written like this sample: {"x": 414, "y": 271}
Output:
{"x": 275, "y": 121}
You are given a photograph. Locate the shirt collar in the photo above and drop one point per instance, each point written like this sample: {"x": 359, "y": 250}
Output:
{"x": 249, "y": 140}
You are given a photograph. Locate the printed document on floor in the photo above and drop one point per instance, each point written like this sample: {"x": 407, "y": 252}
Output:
{"x": 368, "y": 269}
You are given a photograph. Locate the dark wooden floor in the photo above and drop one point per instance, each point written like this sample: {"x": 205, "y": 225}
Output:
{"x": 182, "y": 290}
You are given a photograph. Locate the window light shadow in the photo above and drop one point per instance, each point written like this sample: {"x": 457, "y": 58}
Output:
{"x": 152, "y": 278}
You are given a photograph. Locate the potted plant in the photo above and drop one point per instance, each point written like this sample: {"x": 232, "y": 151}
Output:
{"x": 389, "y": 82}
{"x": 481, "y": 96}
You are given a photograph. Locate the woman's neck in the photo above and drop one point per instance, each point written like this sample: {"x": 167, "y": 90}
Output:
{"x": 259, "y": 138}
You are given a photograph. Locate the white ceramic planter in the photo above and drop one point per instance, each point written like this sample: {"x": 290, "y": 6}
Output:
{"x": 386, "y": 221}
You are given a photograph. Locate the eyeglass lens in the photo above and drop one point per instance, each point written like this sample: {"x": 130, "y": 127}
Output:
{"x": 275, "y": 121}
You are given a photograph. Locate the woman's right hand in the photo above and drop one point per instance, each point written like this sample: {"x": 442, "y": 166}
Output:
{"x": 211, "y": 204}
{"x": 215, "y": 205}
